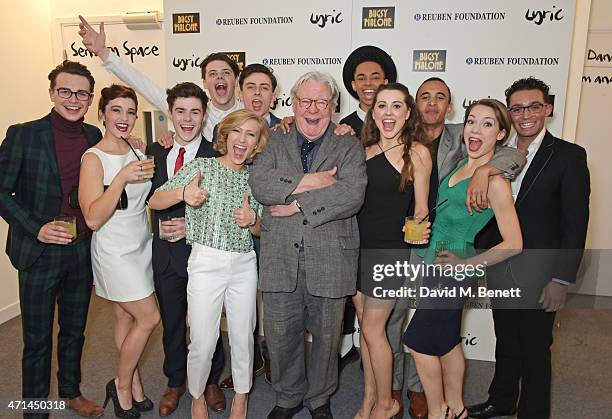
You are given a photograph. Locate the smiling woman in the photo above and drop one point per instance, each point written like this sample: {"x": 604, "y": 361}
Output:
{"x": 220, "y": 218}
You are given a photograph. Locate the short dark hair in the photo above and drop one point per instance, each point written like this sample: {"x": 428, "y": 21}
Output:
{"x": 529, "y": 83}
{"x": 438, "y": 79}
{"x": 71, "y": 67}
{"x": 113, "y": 92}
{"x": 186, "y": 89}
{"x": 257, "y": 68}
{"x": 219, "y": 56}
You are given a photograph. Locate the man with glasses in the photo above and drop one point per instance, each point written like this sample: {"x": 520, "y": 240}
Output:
{"x": 39, "y": 173}
{"x": 312, "y": 183}
{"x": 552, "y": 202}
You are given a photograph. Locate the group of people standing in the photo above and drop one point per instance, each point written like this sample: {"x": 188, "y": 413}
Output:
{"x": 318, "y": 198}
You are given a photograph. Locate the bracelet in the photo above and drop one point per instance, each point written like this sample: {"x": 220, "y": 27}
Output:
{"x": 297, "y": 204}
{"x": 254, "y": 220}
{"x": 184, "y": 187}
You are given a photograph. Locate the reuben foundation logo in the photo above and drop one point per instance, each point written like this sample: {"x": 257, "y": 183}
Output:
{"x": 539, "y": 16}
{"x": 429, "y": 60}
{"x": 185, "y": 23}
{"x": 321, "y": 20}
{"x": 378, "y": 18}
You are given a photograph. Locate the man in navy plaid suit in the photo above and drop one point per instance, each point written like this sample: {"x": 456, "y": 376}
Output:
{"x": 39, "y": 170}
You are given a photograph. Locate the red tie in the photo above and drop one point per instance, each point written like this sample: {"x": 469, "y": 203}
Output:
{"x": 179, "y": 160}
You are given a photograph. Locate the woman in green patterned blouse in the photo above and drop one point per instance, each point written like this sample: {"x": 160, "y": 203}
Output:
{"x": 220, "y": 217}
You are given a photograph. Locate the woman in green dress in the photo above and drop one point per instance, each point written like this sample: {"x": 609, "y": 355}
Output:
{"x": 433, "y": 334}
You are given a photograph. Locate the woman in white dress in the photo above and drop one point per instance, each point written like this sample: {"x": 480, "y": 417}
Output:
{"x": 114, "y": 184}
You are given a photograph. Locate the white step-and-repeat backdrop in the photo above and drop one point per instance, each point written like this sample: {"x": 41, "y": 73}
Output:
{"x": 478, "y": 46}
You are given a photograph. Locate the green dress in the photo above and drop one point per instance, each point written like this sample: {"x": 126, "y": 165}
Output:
{"x": 435, "y": 330}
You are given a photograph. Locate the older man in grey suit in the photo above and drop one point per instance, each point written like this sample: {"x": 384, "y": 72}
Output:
{"x": 312, "y": 183}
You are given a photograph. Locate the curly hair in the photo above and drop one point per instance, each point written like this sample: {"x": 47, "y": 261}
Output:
{"x": 501, "y": 114}
{"x": 412, "y": 131}
{"x": 235, "y": 120}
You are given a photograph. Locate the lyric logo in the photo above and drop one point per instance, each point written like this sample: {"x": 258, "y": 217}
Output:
{"x": 321, "y": 20}
{"x": 467, "y": 102}
{"x": 469, "y": 340}
{"x": 539, "y": 16}
{"x": 429, "y": 60}
{"x": 238, "y": 57}
{"x": 282, "y": 101}
{"x": 378, "y": 18}
{"x": 185, "y": 23}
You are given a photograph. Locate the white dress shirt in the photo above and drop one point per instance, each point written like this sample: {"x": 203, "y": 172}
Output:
{"x": 191, "y": 150}
{"x": 532, "y": 149}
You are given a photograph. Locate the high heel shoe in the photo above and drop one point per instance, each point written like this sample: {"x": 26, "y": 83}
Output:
{"x": 111, "y": 393}
{"x": 395, "y": 409}
{"x": 143, "y": 406}
{"x": 447, "y": 412}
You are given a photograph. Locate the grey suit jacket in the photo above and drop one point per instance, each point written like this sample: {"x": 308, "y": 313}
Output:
{"x": 327, "y": 227}
{"x": 452, "y": 150}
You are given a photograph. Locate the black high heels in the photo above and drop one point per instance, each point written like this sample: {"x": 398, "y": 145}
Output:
{"x": 143, "y": 406}
{"x": 111, "y": 393}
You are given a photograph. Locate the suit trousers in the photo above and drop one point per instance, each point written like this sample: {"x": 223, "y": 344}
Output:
{"x": 62, "y": 275}
{"x": 287, "y": 317}
{"x": 401, "y": 360}
{"x": 522, "y": 354}
{"x": 171, "y": 291}
{"x": 217, "y": 278}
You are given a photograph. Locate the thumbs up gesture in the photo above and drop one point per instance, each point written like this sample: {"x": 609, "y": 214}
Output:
{"x": 245, "y": 216}
{"x": 194, "y": 195}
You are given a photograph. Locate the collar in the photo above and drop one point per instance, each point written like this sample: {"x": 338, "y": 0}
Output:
{"x": 361, "y": 113}
{"x": 535, "y": 144}
{"x": 191, "y": 147}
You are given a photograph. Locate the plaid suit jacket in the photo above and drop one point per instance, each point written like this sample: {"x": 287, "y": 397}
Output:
{"x": 30, "y": 189}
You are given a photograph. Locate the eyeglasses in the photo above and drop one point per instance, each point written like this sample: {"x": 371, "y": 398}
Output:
{"x": 65, "y": 93}
{"x": 305, "y": 103}
{"x": 535, "y": 107}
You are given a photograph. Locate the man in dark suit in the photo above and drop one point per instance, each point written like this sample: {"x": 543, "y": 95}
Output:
{"x": 39, "y": 173}
{"x": 187, "y": 104}
{"x": 552, "y": 202}
{"x": 312, "y": 183}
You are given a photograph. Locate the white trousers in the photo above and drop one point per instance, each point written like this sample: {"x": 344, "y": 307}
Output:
{"x": 218, "y": 277}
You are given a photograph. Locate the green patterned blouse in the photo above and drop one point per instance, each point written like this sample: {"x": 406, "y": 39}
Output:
{"x": 212, "y": 224}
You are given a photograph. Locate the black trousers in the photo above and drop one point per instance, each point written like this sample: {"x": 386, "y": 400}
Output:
{"x": 522, "y": 355}
{"x": 171, "y": 290}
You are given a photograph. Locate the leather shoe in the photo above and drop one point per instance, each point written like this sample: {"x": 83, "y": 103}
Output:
{"x": 322, "y": 412}
{"x": 348, "y": 358}
{"x": 284, "y": 412}
{"x": 418, "y": 405}
{"x": 215, "y": 399}
{"x": 169, "y": 401}
{"x": 398, "y": 396}
{"x": 85, "y": 408}
{"x": 487, "y": 410}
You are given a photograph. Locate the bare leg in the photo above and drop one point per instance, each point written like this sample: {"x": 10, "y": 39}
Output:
{"x": 453, "y": 368}
{"x": 239, "y": 406}
{"x": 145, "y": 315}
{"x": 123, "y": 324}
{"x": 373, "y": 329}
{"x": 430, "y": 371}
{"x": 369, "y": 387}
{"x": 199, "y": 409}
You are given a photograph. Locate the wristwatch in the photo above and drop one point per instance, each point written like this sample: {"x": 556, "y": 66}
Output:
{"x": 252, "y": 224}
{"x": 297, "y": 204}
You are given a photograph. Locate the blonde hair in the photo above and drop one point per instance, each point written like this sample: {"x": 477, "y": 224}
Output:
{"x": 235, "y": 120}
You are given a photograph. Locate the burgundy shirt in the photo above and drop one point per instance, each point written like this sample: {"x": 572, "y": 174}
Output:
{"x": 70, "y": 144}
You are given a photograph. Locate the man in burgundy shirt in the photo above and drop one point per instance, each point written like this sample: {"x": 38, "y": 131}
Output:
{"x": 39, "y": 174}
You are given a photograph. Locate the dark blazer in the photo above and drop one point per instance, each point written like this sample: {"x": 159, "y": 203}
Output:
{"x": 30, "y": 188}
{"x": 354, "y": 122}
{"x": 165, "y": 252}
{"x": 553, "y": 210}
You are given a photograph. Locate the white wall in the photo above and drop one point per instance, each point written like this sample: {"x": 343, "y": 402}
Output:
{"x": 25, "y": 43}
